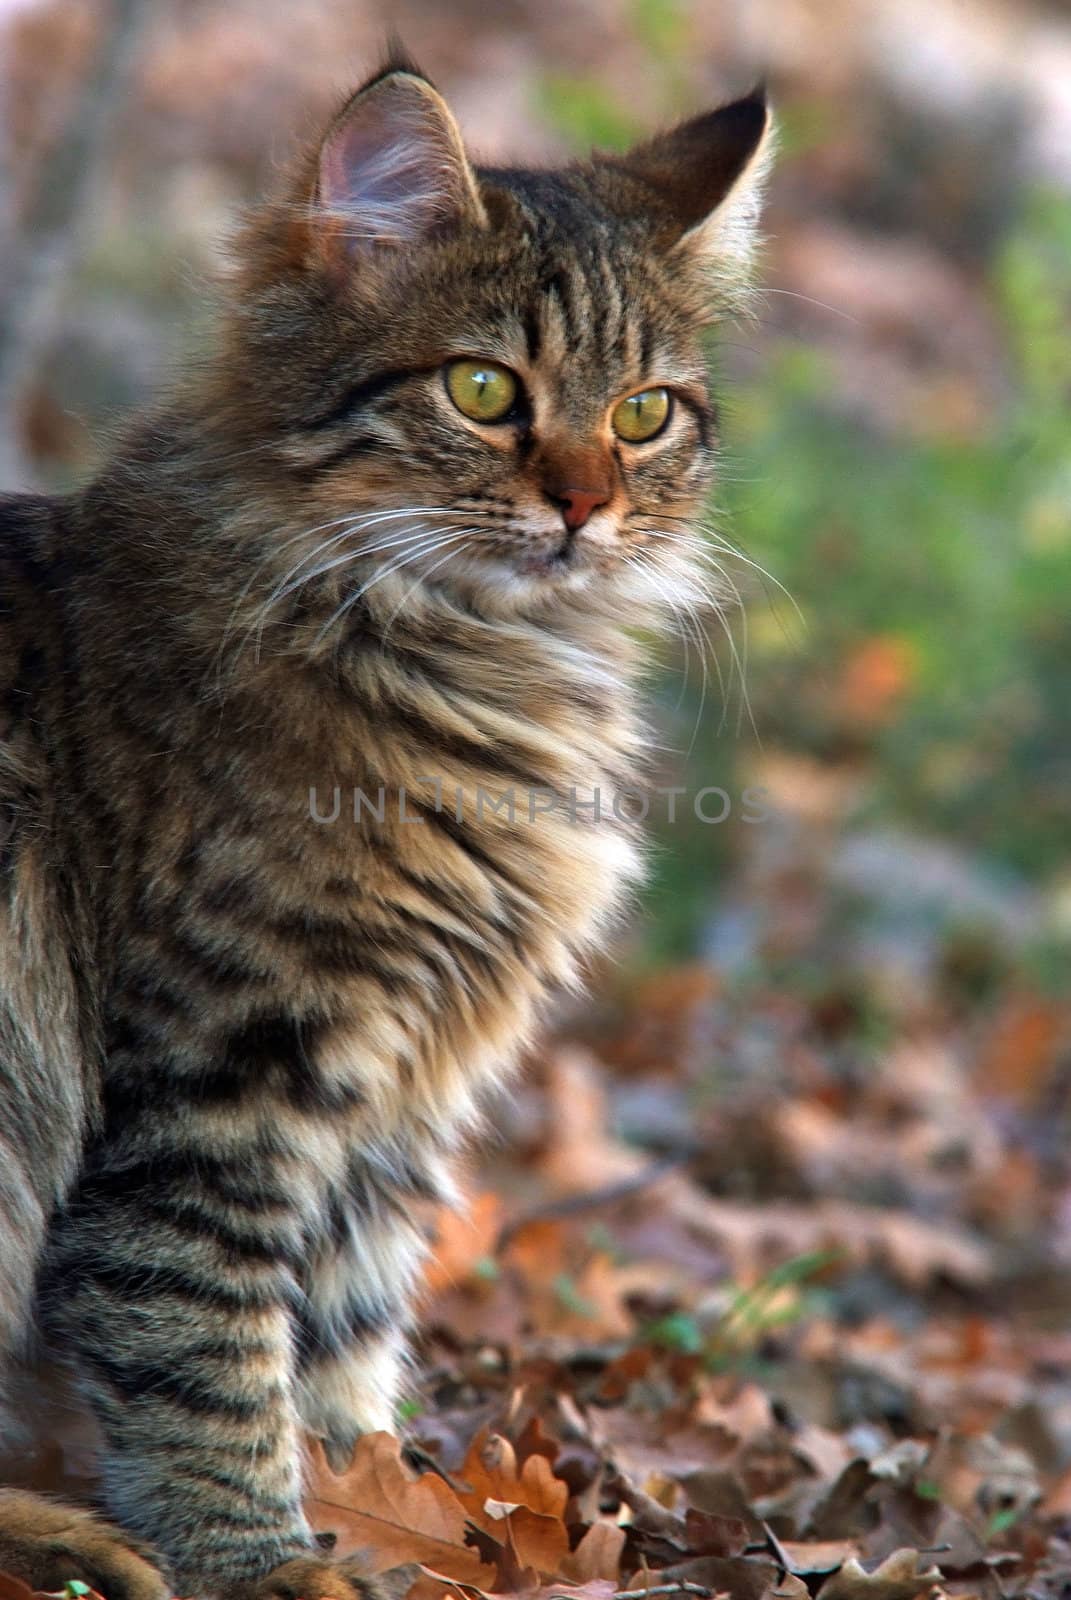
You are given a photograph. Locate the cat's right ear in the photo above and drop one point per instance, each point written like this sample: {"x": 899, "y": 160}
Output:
{"x": 392, "y": 171}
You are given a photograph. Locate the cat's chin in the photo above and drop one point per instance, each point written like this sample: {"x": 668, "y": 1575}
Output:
{"x": 527, "y": 576}
{"x": 537, "y": 582}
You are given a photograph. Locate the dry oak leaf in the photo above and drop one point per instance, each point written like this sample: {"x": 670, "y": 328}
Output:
{"x": 535, "y": 1543}
{"x": 741, "y": 1577}
{"x": 598, "y": 1555}
{"x": 899, "y": 1577}
{"x": 520, "y": 1507}
{"x": 392, "y": 1516}
{"x": 491, "y": 1472}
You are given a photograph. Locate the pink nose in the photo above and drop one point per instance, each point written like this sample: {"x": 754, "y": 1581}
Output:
{"x": 578, "y": 504}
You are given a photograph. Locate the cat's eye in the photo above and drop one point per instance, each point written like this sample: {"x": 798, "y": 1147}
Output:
{"x": 481, "y": 390}
{"x": 642, "y": 415}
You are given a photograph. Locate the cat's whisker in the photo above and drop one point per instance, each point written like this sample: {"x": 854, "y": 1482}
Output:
{"x": 348, "y": 523}
{"x": 739, "y": 656}
{"x": 291, "y": 584}
{"x": 727, "y": 547}
{"x": 433, "y": 541}
{"x": 248, "y": 584}
{"x": 424, "y": 576}
{"x": 808, "y": 299}
{"x": 353, "y": 525}
{"x": 700, "y": 639}
{"x": 703, "y": 554}
{"x": 679, "y": 611}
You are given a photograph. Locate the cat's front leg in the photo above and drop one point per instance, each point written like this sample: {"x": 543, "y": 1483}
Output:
{"x": 353, "y": 1392}
{"x": 172, "y": 1285}
{"x": 360, "y": 1288}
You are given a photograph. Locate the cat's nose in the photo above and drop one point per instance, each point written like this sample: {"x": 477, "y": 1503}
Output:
{"x": 578, "y": 504}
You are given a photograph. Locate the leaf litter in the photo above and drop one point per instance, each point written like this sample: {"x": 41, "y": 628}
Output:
{"x": 762, "y": 1289}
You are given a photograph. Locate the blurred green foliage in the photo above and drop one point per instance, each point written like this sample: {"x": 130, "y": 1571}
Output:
{"x": 957, "y": 550}
{"x": 948, "y": 549}
{"x": 952, "y": 553}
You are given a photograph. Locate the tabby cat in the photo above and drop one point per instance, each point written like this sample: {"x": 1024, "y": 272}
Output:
{"x": 304, "y": 702}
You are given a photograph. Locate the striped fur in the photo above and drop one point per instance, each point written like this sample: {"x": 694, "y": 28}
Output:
{"x": 240, "y": 1042}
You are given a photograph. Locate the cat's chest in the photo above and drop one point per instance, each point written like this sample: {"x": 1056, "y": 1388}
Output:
{"x": 448, "y": 856}
{"x": 404, "y": 887}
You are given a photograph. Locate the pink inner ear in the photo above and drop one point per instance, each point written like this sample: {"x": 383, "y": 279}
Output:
{"x": 391, "y": 170}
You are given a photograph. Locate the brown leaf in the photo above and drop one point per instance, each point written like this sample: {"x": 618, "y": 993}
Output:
{"x": 520, "y": 1507}
{"x": 742, "y": 1577}
{"x": 537, "y": 1542}
{"x": 841, "y": 1513}
{"x": 14, "y": 1588}
{"x": 706, "y": 1533}
{"x": 913, "y": 1521}
{"x": 721, "y": 1494}
{"x": 817, "y": 1555}
{"x": 900, "y": 1576}
{"x": 598, "y": 1555}
{"x": 491, "y": 1472}
{"x": 380, "y": 1508}
{"x": 581, "y": 1153}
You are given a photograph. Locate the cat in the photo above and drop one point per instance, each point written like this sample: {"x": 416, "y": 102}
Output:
{"x": 390, "y": 540}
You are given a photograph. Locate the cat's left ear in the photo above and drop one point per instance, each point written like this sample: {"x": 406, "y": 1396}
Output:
{"x": 393, "y": 170}
{"x": 707, "y": 176}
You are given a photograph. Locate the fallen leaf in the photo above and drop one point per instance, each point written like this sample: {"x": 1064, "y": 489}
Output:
{"x": 818, "y": 1555}
{"x": 491, "y": 1472}
{"x": 14, "y": 1588}
{"x": 899, "y": 1577}
{"x": 598, "y": 1555}
{"x": 381, "y": 1509}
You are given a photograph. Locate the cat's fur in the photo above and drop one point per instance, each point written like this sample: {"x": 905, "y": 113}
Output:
{"x": 237, "y": 1044}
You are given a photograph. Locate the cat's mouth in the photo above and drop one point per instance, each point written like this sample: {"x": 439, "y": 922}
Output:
{"x": 564, "y": 555}
{"x": 570, "y": 555}
{"x": 553, "y": 562}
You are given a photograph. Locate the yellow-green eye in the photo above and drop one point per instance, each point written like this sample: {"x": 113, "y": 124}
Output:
{"x": 481, "y": 390}
{"x": 642, "y": 415}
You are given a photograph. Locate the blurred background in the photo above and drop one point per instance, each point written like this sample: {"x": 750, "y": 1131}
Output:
{"x": 832, "y": 1056}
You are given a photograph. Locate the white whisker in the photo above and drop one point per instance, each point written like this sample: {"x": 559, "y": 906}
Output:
{"x": 433, "y": 541}
{"x": 424, "y": 576}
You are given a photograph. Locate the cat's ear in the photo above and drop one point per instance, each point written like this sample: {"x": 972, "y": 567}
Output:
{"x": 392, "y": 169}
{"x": 707, "y": 175}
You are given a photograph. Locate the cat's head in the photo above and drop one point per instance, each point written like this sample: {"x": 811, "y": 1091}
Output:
{"x": 491, "y": 382}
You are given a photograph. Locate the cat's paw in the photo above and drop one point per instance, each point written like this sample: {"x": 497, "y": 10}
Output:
{"x": 46, "y": 1544}
{"x": 317, "y": 1578}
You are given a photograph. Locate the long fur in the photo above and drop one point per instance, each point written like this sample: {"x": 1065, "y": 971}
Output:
{"x": 314, "y": 714}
